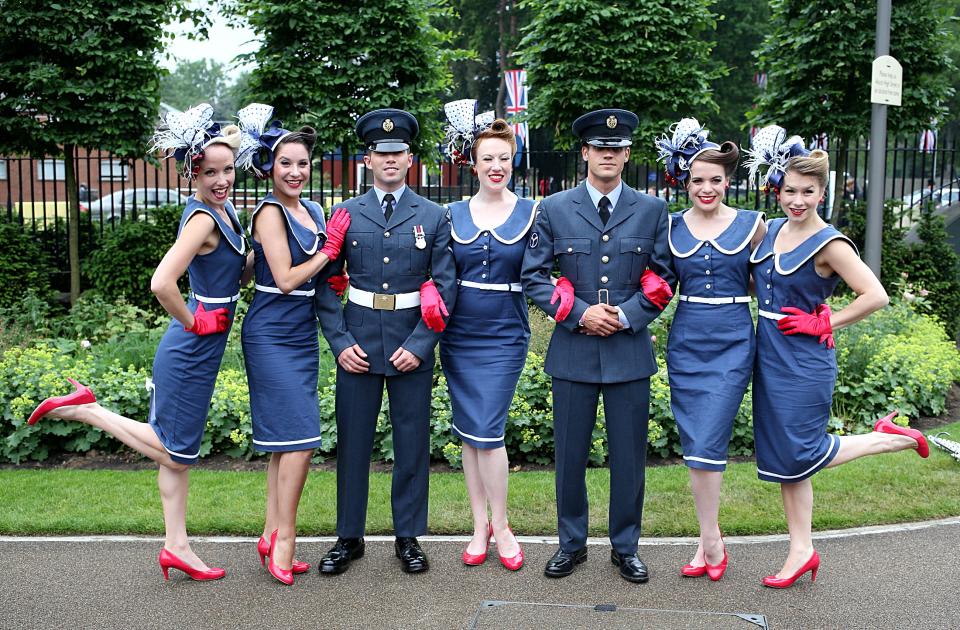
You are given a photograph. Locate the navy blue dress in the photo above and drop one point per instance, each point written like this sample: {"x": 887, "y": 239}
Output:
{"x": 281, "y": 350}
{"x": 185, "y": 366}
{"x": 794, "y": 375}
{"x": 712, "y": 343}
{"x": 484, "y": 346}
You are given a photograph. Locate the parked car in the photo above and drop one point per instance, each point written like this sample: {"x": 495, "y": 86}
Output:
{"x": 125, "y": 203}
{"x": 941, "y": 197}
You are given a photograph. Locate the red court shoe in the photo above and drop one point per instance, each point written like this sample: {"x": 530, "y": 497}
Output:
{"x": 263, "y": 548}
{"x": 169, "y": 561}
{"x": 81, "y": 396}
{"x": 812, "y": 565}
{"x": 688, "y": 570}
{"x": 476, "y": 559}
{"x": 716, "y": 571}
{"x": 885, "y": 425}
{"x": 515, "y": 562}
{"x": 283, "y": 575}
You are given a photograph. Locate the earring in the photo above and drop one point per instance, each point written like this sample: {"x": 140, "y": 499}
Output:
{"x": 726, "y": 186}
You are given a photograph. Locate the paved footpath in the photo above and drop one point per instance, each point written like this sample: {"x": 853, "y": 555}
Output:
{"x": 904, "y": 576}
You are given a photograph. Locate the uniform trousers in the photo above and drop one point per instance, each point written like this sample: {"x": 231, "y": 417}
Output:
{"x": 626, "y": 409}
{"x": 359, "y": 397}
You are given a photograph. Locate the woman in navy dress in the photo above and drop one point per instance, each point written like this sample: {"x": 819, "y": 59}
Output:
{"x": 210, "y": 246}
{"x": 291, "y": 243}
{"x": 711, "y": 346}
{"x": 795, "y": 269}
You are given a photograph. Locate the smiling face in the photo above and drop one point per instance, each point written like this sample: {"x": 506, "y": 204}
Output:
{"x": 707, "y": 185}
{"x": 291, "y": 169}
{"x": 800, "y": 195}
{"x": 494, "y": 163}
{"x": 389, "y": 169}
{"x": 216, "y": 176}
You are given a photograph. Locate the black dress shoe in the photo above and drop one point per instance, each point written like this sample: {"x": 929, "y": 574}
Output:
{"x": 563, "y": 563}
{"x": 632, "y": 568}
{"x": 412, "y": 558}
{"x": 338, "y": 559}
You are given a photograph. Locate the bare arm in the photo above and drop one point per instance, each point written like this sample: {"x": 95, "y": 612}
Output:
{"x": 248, "y": 269}
{"x": 838, "y": 257}
{"x": 194, "y": 234}
{"x": 270, "y": 230}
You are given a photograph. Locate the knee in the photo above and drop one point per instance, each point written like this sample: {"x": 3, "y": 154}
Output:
{"x": 177, "y": 467}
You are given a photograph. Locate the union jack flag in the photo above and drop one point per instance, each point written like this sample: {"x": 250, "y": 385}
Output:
{"x": 928, "y": 141}
{"x": 516, "y": 82}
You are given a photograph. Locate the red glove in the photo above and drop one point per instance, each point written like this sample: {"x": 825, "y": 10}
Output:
{"x": 432, "y": 308}
{"x": 816, "y": 324}
{"x": 209, "y": 323}
{"x": 336, "y": 232}
{"x": 563, "y": 292}
{"x": 824, "y": 311}
{"x": 656, "y": 289}
{"x": 339, "y": 283}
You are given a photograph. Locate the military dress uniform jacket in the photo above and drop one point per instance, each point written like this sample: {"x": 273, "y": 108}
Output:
{"x": 382, "y": 257}
{"x": 593, "y": 257}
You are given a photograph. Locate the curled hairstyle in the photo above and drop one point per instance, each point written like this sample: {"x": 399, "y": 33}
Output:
{"x": 498, "y": 129}
{"x": 230, "y": 137}
{"x": 307, "y": 136}
{"x": 816, "y": 165}
{"x": 726, "y": 156}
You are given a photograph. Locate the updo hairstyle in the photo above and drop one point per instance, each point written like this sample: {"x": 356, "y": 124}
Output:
{"x": 498, "y": 129}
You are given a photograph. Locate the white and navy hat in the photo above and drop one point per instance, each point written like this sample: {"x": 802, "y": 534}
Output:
{"x": 687, "y": 139}
{"x": 464, "y": 124}
{"x": 387, "y": 130}
{"x": 772, "y": 148}
{"x": 259, "y": 140}
{"x": 606, "y": 127}
{"x": 184, "y": 136}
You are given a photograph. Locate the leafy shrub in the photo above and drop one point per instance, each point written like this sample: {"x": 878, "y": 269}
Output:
{"x": 935, "y": 267}
{"x": 23, "y": 265}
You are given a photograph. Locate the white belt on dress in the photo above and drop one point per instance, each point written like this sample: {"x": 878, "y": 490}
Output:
{"x": 266, "y": 289}
{"x": 739, "y": 299}
{"x": 515, "y": 287}
{"x": 770, "y": 315}
{"x": 215, "y": 300}
{"x": 383, "y": 301}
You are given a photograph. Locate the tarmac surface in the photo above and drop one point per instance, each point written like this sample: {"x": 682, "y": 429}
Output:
{"x": 904, "y": 576}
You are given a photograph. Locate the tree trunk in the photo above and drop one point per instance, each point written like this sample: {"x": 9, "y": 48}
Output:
{"x": 73, "y": 220}
{"x": 502, "y": 59}
{"x": 840, "y": 181}
{"x": 344, "y": 172}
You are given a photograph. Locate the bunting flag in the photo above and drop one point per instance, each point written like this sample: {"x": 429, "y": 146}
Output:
{"x": 516, "y": 83}
{"x": 928, "y": 141}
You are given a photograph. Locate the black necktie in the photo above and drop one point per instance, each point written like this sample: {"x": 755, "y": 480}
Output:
{"x": 387, "y": 206}
{"x": 604, "y": 207}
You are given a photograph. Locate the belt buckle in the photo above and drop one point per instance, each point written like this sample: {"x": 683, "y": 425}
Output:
{"x": 384, "y": 302}
{"x": 603, "y": 296}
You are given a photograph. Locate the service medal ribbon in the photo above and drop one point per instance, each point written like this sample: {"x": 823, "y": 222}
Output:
{"x": 420, "y": 236}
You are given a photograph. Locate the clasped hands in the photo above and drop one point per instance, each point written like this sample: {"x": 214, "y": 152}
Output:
{"x": 354, "y": 360}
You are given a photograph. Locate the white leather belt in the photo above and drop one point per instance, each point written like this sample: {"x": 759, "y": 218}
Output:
{"x": 516, "y": 287}
{"x": 383, "y": 301}
{"x": 266, "y": 289}
{"x": 215, "y": 300}
{"x": 770, "y": 315}
{"x": 740, "y": 299}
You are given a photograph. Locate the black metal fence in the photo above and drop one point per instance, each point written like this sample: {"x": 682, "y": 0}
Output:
{"x": 112, "y": 190}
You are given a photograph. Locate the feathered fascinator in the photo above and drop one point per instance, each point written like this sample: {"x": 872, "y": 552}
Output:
{"x": 184, "y": 136}
{"x": 463, "y": 126}
{"x": 686, "y": 140}
{"x": 259, "y": 139}
{"x": 772, "y": 148}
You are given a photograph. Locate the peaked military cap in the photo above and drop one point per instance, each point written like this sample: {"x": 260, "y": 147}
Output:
{"x": 606, "y": 127}
{"x": 387, "y": 130}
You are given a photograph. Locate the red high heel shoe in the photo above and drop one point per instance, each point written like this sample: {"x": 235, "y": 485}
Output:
{"x": 716, "y": 571}
{"x": 885, "y": 425}
{"x": 263, "y": 548}
{"x": 515, "y": 562}
{"x": 81, "y": 396}
{"x": 476, "y": 559}
{"x": 688, "y": 570}
{"x": 283, "y": 575}
{"x": 169, "y": 561}
{"x": 812, "y": 565}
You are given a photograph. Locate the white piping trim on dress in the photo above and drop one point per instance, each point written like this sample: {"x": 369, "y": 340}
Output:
{"x": 286, "y": 217}
{"x": 753, "y": 255}
{"x": 713, "y": 241}
{"x": 183, "y": 455}
{"x": 705, "y": 460}
{"x": 208, "y": 211}
{"x": 783, "y": 272}
{"x": 523, "y": 232}
{"x": 313, "y": 439}
{"x": 474, "y": 437}
{"x": 833, "y": 439}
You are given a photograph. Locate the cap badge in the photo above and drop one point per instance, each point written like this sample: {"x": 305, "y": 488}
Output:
{"x": 387, "y": 125}
{"x": 612, "y": 122}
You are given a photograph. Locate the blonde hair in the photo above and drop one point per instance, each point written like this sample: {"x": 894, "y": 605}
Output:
{"x": 817, "y": 165}
{"x": 501, "y": 130}
{"x": 230, "y": 137}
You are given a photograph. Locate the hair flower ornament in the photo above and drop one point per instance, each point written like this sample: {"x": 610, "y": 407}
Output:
{"x": 687, "y": 139}
{"x": 463, "y": 126}
{"x": 772, "y": 148}
{"x": 184, "y": 136}
{"x": 259, "y": 139}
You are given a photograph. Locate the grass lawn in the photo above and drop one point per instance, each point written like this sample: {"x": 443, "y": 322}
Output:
{"x": 870, "y": 491}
